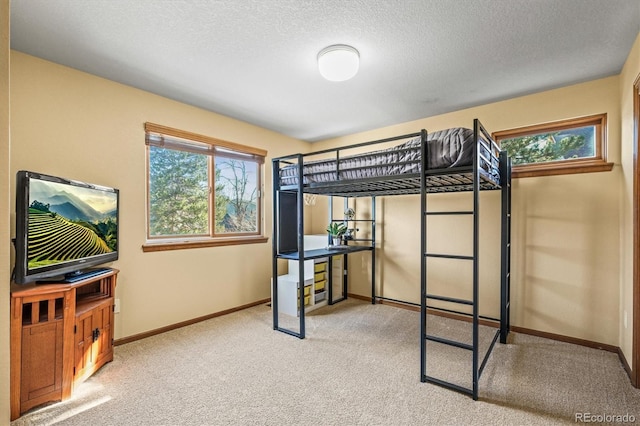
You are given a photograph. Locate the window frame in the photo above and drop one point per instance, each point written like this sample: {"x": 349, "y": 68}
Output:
{"x": 212, "y": 197}
{"x": 597, "y": 163}
{"x": 178, "y": 242}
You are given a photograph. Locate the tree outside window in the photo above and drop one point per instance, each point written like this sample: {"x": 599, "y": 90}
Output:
{"x": 564, "y": 147}
{"x": 236, "y": 196}
{"x": 178, "y": 193}
{"x": 555, "y": 146}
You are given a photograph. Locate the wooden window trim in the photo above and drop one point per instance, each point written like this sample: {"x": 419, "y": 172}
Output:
{"x": 165, "y": 243}
{"x": 597, "y": 163}
{"x": 635, "y": 351}
{"x": 182, "y": 134}
{"x": 200, "y": 243}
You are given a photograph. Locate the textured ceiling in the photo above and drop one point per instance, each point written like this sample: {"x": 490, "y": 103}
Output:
{"x": 255, "y": 60}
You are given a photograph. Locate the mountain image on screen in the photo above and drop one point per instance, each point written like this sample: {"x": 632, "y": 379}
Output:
{"x": 68, "y": 223}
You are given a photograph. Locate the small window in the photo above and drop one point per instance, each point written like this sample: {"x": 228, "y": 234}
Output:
{"x": 563, "y": 147}
{"x": 201, "y": 191}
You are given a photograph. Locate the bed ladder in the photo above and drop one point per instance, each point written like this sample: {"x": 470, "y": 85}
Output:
{"x": 474, "y": 259}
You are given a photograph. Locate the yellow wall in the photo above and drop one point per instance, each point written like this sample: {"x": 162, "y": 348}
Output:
{"x": 630, "y": 73}
{"x": 565, "y": 230}
{"x": 72, "y": 124}
{"x": 4, "y": 212}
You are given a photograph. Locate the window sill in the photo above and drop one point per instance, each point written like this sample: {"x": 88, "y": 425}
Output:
{"x": 560, "y": 169}
{"x": 181, "y": 245}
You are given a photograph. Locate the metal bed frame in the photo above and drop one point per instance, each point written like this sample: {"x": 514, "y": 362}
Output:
{"x": 460, "y": 179}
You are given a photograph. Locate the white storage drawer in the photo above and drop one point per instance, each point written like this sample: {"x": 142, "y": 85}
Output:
{"x": 288, "y": 294}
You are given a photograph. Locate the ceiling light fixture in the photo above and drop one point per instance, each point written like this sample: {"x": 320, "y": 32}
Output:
{"x": 338, "y": 62}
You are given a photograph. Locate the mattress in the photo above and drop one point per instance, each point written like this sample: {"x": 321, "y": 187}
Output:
{"x": 448, "y": 148}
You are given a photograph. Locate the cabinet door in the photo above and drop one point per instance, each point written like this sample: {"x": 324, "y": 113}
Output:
{"x": 41, "y": 368}
{"x": 84, "y": 333}
{"x": 102, "y": 320}
{"x": 94, "y": 336}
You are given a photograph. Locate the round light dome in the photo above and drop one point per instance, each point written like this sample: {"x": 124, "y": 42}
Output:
{"x": 338, "y": 62}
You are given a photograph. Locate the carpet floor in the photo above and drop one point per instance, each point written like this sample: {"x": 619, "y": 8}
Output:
{"x": 359, "y": 365}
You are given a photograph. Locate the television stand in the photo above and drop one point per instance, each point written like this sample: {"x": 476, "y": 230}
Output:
{"x": 61, "y": 333}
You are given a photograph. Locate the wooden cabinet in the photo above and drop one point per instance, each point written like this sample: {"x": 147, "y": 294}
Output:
{"x": 60, "y": 335}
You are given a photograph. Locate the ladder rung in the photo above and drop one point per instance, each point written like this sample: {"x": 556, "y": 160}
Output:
{"x": 446, "y": 384}
{"x": 449, "y": 256}
{"x": 449, "y": 342}
{"x": 448, "y": 213}
{"x": 449, "y": 299}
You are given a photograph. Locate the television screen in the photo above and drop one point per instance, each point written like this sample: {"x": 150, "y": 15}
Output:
{"x": 63, "y": 226}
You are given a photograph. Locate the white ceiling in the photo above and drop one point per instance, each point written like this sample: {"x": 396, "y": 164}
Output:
{"x": 255, "y": 60}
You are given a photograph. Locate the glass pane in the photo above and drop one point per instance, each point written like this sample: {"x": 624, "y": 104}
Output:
{"x": 178, "y": 193}
{"x": 236, "y": 194}
{"x": 552, "y": 146}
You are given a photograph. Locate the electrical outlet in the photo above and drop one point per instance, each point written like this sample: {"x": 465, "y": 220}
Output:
{"x": 116, "y": 306}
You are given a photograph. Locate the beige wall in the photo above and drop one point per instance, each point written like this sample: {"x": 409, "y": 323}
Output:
{"x": 565, "y": 259}
{"x": 630, "y": 73}
{"x": 72, "y": 124}
{"x": 5, "y": 269}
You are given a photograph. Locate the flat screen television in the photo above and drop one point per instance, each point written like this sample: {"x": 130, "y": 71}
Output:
{"x": 63, "y": 227}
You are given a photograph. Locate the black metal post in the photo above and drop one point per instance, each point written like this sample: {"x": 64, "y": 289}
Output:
{"x": 300, "y": 214}
{"x": 373, "y": 250}
{"x": 275, "y": 170}
{"x": 329, "y": 239}
{"x": 345, "y": 275}
{"x": 345, "y": 260}
{"x": 476, "y": 216}
{"x": 505, "y": 258}
{"x": 423, "y": 259}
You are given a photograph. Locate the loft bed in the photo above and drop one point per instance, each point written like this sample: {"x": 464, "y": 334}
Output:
{"x": 452, "y": 160}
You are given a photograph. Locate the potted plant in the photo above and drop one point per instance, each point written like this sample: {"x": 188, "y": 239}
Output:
{"x": 336, "y": 230}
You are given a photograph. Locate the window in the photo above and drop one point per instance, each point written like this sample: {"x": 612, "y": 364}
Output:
{"x": 570, "y": 146}
{"x": 201, "y": 191}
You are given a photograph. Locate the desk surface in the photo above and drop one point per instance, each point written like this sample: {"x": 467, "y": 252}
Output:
{"x": 325, "y": 252}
